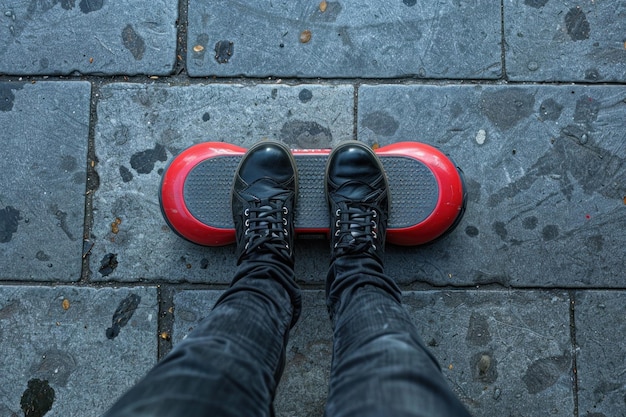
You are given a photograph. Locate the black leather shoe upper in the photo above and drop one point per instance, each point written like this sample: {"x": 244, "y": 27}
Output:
{"x": 358, "y": 197}
{"x": 263, "y": 200}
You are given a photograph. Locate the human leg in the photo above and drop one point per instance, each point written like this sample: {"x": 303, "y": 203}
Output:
{"x": 380, "y": 365}
{"x": 230, "y": 364}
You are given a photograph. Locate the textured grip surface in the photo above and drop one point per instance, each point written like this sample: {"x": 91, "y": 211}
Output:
{"x": 414, "y": 191}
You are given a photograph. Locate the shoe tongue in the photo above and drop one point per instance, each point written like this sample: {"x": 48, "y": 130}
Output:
{"x": 264, "y": 214}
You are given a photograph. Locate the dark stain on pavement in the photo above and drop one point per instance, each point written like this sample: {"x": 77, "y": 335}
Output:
{"x": 573, "y": 155}
{"x": 125, "y": 173}
{"x": 306, "y": 135}
{"x": 478, "y": 330}
{"x": 544, "y": 372}
{"x": 56, "y": 367}
{"x": 472, "y": 231}
{"x": 500, "y": 229}
{"x": 595, "y": 243}
{"x": 108, "y": 264}
{"x": 587, "y": 110}
{"x": 42, "y": 256}
{"x": 507, "y": 107}
{"x": 537, "y": 4}
{"x": 68, "y": 163}
{"x": 7, "y": 95}
{"x": 305, "y": 95}
{"x": 592, "y": 74}
{"x": 530, "y": 223}
{"x": 133, "y": 42}
{"x": 88, "y": 6}
{"x": 577, "y": 24}
{"x": 550, "y": 232}
{"x": 123, "y": 313}
{"x": 143, "y": 162}
{"x": 9, "y": 310}
{"x": 381, "y": 123}
{"x": 68, "y": 4}
{"x": 410, "y": 3}
{"x": 550, "y": 110}
{"x": 224, "y": 50}
{"x": 37, "y": 399}
{"x": 9, "y": 220}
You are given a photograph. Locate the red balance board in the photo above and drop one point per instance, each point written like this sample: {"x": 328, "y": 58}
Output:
{"x": 427, "y": 192}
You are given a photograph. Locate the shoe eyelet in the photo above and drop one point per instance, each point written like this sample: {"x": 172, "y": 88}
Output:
{"x": 285, "y": 231}
{"x": 285, "y": 210}
{"x": 337, "y": 233}
{"x": 247, "y": 222}
{"x": 247, "y": 245}
{"x": 285, "y": 222}
{"x": 337, "y": 223}
{"x": 374, "y": 234}
{"x": 374, "y": 214}
{"x": 374, "y": 225}
{"x": 246, "y": 212}
{"x": 374, "y": 246}
{"x": 338, "y": 213}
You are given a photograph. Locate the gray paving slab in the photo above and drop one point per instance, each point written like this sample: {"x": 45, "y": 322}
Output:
{"x": 565, "y": 40}
{"x": 544, "y": 168}
{"x": 42, "y": 186}
{"x": 88, "y": 36}
{"x": 141, "y": 127}
{"x": 601, "y": 357}
{"x": 501, "y": 352}
{"x": 71, "y": 350}
{"x": 351, "y": 38}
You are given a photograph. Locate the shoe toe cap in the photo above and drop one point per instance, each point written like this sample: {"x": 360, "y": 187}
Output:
{"x": 267, "y": 160}
{"x": 352, "y": 162}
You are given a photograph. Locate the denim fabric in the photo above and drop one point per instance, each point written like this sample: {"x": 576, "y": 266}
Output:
{"x": 230, "y": 364}
{"x": 380, "y": 365}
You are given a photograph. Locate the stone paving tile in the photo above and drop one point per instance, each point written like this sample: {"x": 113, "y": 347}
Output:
{"x": 565, "y": 41}
{"x": 501, "y": 352}
{"x": 544, "y": 169}
{"x": 139, "y": 130}
{"x": 345, "y": 39}
{"x": 42, "y": 188}
{"x": 88, "y": 36}
{"x": 600, "y": 330}
{"x": 73, "y": 350}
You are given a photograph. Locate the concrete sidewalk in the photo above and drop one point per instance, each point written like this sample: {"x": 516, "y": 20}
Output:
{"x": 524, "y": 304}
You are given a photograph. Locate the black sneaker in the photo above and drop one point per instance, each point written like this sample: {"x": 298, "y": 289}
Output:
{"x": 358, "y": 196}
{"x": 263, "y": 199}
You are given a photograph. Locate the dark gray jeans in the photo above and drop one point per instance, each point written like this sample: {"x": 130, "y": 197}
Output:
{"x": 230, "y": 364}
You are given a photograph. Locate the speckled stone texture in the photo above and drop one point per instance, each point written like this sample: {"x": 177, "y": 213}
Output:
{"x": 339, "y": 39}
{"x": 88, "y": 37}
{"x": 42, "y": 186}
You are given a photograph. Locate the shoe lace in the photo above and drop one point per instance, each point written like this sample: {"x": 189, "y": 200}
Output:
{"x": 266, "y": 226}
{"x": 356, "y": 227}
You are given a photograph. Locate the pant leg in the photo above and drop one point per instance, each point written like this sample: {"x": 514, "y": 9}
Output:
{"x": 380, "y": 365}
{"x": 230, "y": 364}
